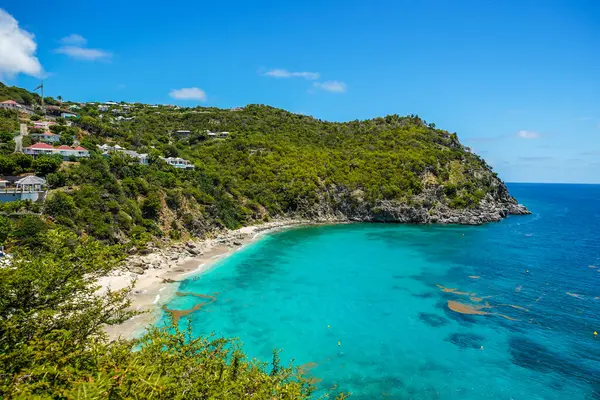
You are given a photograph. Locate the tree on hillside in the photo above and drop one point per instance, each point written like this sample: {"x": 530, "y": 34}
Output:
{"x": 67, "y": 139}
{"x": 60, "y": 205}
{"x": 9, "y": 121}
{"x": 7, "y": 165}
{"x": 44, "y": 165}
{"x": 6, "y": 137}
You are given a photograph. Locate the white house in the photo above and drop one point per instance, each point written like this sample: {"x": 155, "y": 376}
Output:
{"x": 216, "y": 134}
{"x": 103, "y": 108}
{"x": 11, "y": 105}
{"x": 107, "y": 149}
{"x": 66, "y": 152}
{"x": 31, "y": 183}
{"x": 25, "y": 188}
{"x": 178, "y": 162}
{"x": 43, "y": 124}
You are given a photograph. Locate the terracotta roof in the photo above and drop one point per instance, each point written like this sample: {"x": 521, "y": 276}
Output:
{"x": 63, "y": 147}
{"x": 80, "y": 148}
{"x": 10, "y": 102}
{"x": 40, "y": 146}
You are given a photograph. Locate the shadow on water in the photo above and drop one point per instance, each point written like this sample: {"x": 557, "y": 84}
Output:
{"x": 529, "y": 354}
{"x": 433, "y": 320}
{"x": 466, "y": 340}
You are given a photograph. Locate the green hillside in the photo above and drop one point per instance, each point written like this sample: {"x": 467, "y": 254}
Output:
{"x": 251, "y": 164}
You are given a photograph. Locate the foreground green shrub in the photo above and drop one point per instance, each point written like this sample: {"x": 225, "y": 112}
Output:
{"x": 52, "y": 344}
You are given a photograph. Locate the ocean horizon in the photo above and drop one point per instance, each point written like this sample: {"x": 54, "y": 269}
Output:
{"x": 505, "y": 310}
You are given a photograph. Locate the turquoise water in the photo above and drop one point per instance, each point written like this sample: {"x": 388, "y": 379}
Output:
{"x": 373, "y": 288}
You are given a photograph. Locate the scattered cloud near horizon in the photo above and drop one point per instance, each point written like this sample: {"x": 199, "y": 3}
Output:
{"x": 192, "y": 93}
{"x": 284, "y": 73}
{"x": 74, "y": 47}
{"x": 74, "y": 40}
{"x": 528, "y": 134}
{"x": 17, "y": 49}
{"x": 331, "y": 86}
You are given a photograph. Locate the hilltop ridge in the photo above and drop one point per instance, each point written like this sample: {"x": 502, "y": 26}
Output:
{"x": 258, "y": 162}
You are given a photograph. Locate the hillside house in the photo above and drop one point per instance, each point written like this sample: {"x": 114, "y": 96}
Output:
{"x": 107, "y": 149}
{"x": 43, "y": 124}
{"x": 14, "y": 188}
{"x": 65, "y": 151}
{"x": 220, "y": 135}
{"x": 11, "y": 105}
{"x": 68, "y": 115}
{"x": 178, "y": 162}
{"x": 31, "y": 183}
{"x": 46, "y": 137}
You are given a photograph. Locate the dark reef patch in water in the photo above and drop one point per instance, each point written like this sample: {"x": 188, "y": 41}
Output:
{"x": 432, "y": 320}
{"x": 529, "y": 354}
{"x": 424, "y": 295}
{"x": 466, "y": 340}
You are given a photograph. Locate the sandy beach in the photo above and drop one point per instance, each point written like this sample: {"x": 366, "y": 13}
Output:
{"x": 158, "y": 284}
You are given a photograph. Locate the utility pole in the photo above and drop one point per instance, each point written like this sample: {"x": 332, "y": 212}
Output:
{"x": 41, "y": 87}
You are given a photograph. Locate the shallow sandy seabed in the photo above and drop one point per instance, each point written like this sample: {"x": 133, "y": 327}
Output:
{"x": 156, "y": 287}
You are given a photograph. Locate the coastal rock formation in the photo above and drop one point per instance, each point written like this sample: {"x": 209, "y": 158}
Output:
{"x": 430, "y": 207}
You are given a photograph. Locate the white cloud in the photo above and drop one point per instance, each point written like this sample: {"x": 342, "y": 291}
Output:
{"x": 74, "y": 47}
{"x": 74, "y": 40}
{"x": 331, "y": 86}
{"x": 83, "y": 53}
{"x": 284, "y": 73}
{"x": 528, "y": 135}
{"x": 17, "y": 49}
{"x": 192, "y": 93}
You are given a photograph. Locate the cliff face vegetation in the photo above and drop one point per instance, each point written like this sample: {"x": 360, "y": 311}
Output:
{"x": 271, "y": 163}
{"x": 253, "y": 164}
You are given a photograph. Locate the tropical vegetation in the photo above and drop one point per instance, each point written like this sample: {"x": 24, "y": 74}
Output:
{"x": 266, "y": 163}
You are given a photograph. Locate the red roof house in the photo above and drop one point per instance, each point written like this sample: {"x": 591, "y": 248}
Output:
{"x": 40, "y": 146}
{"x": 10, "y": 104}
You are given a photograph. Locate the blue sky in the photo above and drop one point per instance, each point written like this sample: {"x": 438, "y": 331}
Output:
{"x": 519, "y": 81}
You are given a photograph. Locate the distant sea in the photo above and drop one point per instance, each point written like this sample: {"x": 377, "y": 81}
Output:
{"x": 502, "y": 311}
